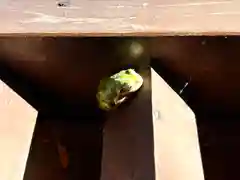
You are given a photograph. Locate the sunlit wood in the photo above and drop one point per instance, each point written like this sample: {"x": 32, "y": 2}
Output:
{"x": 17, "y": 122}
{"x": 138, "y": 17}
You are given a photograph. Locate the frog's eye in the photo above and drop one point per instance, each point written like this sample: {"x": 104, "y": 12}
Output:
{"x": 122, "y": 91}
{"x": 128, "y": 71}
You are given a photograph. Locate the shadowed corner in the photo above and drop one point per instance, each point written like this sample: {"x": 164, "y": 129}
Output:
{"x": 77, "y": 128}
{"x": 172, "y": 78}
{"x": 64, "y": 148}
{"x": 20, "y": 84}
{"x": 67, "y": 142}
{"x": 41, "y": 98}
{"x": 182, "y": 85}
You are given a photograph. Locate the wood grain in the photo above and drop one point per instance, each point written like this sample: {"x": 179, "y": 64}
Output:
{"x": 17, "y": 122}
{"x": 120, "y": 17}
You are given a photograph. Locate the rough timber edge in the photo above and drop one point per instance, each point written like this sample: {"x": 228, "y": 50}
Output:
{"x": 116, "y": 34}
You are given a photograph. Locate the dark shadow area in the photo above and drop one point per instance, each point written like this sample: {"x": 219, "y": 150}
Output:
{"x": 72, "y": 70}
{"x": 42, "y": 98}
{"x": 213, "y": 94}
{"x": 82, "y": 142}
{"x": 174, "y": 79}
{"x": 33, "y": 94}
{"x": 218, "y": 128}
{"x": 210, "y": 63}
{"x": 77, "y": 127}
{"x": 66, "y": 103}
{"x": 128, "y": 151}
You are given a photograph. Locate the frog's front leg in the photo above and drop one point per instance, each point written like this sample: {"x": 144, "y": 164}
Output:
{"x": 117, "y": 100}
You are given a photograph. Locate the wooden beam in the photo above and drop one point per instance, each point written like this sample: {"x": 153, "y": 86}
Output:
{"x": 17, "y": 122}
{"x": 98, "y": 18}
{"x": 154, "y": 138}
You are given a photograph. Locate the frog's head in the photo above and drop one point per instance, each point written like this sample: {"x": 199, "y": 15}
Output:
{"x": 115, "y": 90}
{"x": 127, "y": 82}
{"x": 131, "y": 80}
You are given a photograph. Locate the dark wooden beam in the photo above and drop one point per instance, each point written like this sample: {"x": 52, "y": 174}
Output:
{"x": 154, "y": 138}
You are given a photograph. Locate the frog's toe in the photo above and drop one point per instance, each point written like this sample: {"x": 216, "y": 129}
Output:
{"x": 119, "y": 101}
{"x": 104, "y": 106}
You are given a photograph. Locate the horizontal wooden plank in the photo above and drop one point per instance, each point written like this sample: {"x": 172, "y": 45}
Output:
{"x": 118, "y": 17}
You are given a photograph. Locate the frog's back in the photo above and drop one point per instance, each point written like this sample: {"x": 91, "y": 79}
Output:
{"x": 107, "y": 89}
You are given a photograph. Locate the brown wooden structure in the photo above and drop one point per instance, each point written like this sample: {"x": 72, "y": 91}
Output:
{"x": 47, "y": 61}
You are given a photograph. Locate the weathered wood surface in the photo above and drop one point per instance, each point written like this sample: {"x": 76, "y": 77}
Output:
{"x": 135, "y": 17}
{"x": 17, "y": 122}
{"x": 154, "y": 138}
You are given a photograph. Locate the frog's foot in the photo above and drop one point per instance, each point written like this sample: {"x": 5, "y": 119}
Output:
{"x": 119, "y": 101}
{"x": 104, "y": 106}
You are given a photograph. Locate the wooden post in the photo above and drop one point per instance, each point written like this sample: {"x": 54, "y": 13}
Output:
{"x": 154, "y": 139}
{"x": 17, "y": 122}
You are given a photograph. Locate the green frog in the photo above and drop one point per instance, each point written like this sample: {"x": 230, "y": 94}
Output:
{"x": 115, "y": 90}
